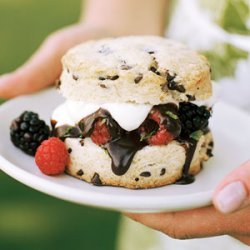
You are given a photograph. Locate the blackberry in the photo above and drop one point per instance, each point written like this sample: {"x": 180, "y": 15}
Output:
{"x": 27, "y": 132}
{"x": 192, "y": 118}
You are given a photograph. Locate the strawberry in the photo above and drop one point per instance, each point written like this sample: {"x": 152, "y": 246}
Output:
{"x": 100, "y": 134}
{"x": 52, "y": 156}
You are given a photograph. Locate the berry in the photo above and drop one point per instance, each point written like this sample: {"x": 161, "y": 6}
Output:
{"x": 52, "y": 156}
{"x": 162, "y": 137}
{"x": 156, "y": 116}
{"x": 154, "y": 131}
{"x": 100, "y": 134}
{"x": 27, "y": 132}
{"x": 192, "y": 118}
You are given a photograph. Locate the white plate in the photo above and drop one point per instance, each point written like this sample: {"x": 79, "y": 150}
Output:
{"x": 232, "y": 142}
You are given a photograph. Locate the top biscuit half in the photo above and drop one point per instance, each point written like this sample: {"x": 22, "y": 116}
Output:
{"x": 135, "y": 69}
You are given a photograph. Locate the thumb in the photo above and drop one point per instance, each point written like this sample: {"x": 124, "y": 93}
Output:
{"x": 44, "y": 67}
{"x": 232, "y": 193}
{"x": 40, "y": 71}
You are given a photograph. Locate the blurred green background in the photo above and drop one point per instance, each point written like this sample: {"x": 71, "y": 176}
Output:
{"x": 29, "y": 219}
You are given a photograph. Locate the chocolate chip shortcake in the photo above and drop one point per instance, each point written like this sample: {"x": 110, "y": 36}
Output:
{"x": 135, "y": 114}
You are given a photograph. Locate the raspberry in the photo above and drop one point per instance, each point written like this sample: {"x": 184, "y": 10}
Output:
{"x": 100, "y": 134}
{"x": 162, "y": 137}
{"x": 156, "y": 116}
{"x": 154, "y": 131}
{"x": 52, "y": 156}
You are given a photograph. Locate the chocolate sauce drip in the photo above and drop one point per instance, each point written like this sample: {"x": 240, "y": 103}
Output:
{"x": 87, "y": 124}
{"x": 66, "y": 131}
{"x": 190, "y": 150}
{"x": 122, "y": 151}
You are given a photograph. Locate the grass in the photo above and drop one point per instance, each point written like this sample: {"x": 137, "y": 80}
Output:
{"x": 29, "y": 219}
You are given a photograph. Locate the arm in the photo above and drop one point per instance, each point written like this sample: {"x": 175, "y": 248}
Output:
{"x": 99, "y": 19}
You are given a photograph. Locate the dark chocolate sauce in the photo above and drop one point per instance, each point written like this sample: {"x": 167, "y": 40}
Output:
{"x": 66, "y": 131}
{"x": 122, "y": 151}
{"x": 86, "y": 125}
{"x": 190, "y": 150}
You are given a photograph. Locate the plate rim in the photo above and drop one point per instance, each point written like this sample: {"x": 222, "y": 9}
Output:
{"x": 47, "y": 187}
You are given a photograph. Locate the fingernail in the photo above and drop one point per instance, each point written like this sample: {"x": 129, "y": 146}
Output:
{"x": 231, "y": 197}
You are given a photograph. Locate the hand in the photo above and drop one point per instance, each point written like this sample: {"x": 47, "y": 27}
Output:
{"x": 99, "y": 19}
{"x": 44, "y": 67}
{"x": 230, "y": 214}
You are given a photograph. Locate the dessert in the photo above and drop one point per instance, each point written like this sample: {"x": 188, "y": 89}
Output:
{"x": 131, "y": 117}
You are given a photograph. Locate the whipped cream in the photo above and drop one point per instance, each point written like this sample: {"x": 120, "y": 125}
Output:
{"x": 128, "y": 115}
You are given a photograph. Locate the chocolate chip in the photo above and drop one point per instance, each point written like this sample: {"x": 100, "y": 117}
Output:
{"x": 96, "y": 180}
{"x": 82, "y": 142}
{"x": 154, "y": 66}
{"x": 138, "y": 78}
{"x": 151, "y": 52}
{"x": 170, "y": 78}
{"x": 151, "y": 164}
{"x": 67, "y": 70}
{"x": 75, "y": 77}
{"x": 115, "y": 77}
{"x": 58, "y": 83}
{"x": 211, "y": 144}
{"x": 145, "y": 174}
{"x": 209, "y": 152}
{"x": 101, "y": 78}
{"x": 136, "y": 179}
{"x": 80, "y": 172}
{"x": 103, "y": 86}
{"x": 172, "y": 85}
{"x": 153, "y": 69}
{"x": 163, "y": 171}
{"x": 69, "y": 150}
{"x": 125, "y": 67}
{"x": 191, "y": 97}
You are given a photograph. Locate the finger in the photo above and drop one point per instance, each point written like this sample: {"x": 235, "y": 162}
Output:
{"x": 44, "y": 67}
{"x": 196, "y": 223}
{"x": 40, "y": 71}
{"x": 244, "y": 239}
{"x": 232, "y": 193}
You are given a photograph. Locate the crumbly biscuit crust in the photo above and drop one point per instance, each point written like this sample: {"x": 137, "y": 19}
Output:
{"x": 136, "y": 69}
{"x": 152, "y": 166}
